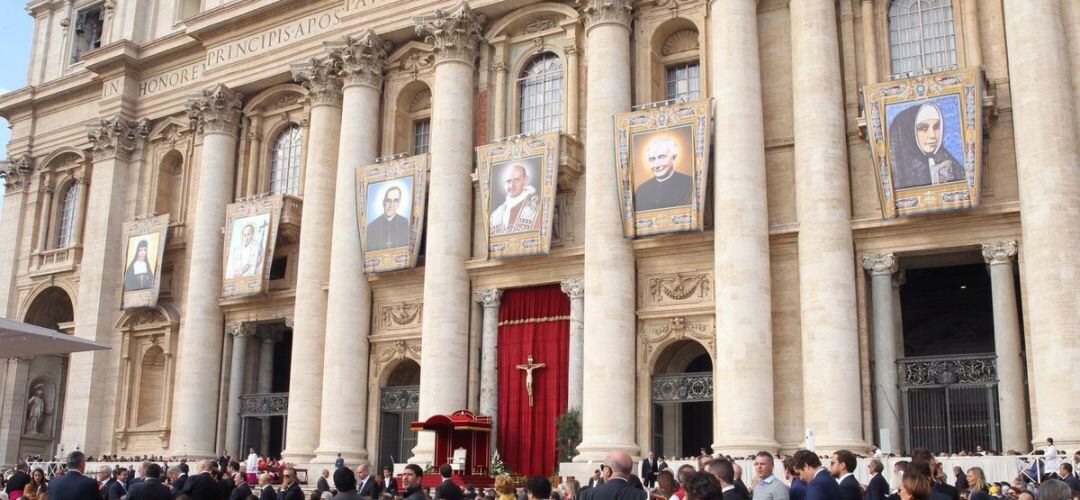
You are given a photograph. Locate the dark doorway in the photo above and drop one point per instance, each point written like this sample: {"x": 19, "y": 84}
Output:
{"x": 399, "y": 403}
{"x": 682, "y": 413}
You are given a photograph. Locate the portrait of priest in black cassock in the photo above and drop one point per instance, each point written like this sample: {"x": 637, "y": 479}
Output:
{"x": 667, "y": 188}
{"x": 390, "y": 229}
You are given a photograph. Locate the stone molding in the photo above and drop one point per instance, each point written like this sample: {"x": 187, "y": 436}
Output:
{"x": 1000, "y": 252}
{"x": 361, "y": 58}
{"x": 878, "y": 264}
{"x": 242, "y": 330}
{"x": 403, "y": 314}
{"x": 679, "y": 286}
{"x": 215, "y": 110}
{"x": 398, "y": 349}
{"x": 655, "y": 335}
{"x": 453, "y": 33}
{"x": 599, "y": 12}
{"x": 117, "y": 137}
{"x": 321, "y": 77}
{"x": 488, "y": 297}
{"x": 573, "y": 288}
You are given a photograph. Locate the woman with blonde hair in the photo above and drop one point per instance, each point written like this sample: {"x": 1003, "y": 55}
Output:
{"x": 504, "y": 486}
{"x": 976, "y": 479}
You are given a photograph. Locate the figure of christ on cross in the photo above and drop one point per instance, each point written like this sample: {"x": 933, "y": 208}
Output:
{"x": 529, "y": 367}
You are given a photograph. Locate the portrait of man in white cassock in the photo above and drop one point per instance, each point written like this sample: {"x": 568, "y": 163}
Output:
{"x": 516, "y": 190}
{"x": 247, "y": 249}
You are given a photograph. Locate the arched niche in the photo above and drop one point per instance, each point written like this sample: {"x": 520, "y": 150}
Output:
{"x": 39, "y": 400}
{"x": 148, "y": 365}
{"x": 410, "y": 76}
{"x": 666, "y": 38}
{"x": 170, "y": 178}
{"x": 412, "y": 109}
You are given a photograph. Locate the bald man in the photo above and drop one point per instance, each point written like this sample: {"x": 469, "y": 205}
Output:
{"x": 667, "y": 188}
{"x": 521, "y": 209}
{"x": 616, "y": 487}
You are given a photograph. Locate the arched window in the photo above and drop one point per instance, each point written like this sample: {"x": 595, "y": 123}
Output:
{"x": 541, "y": 86}
{"x": 285, "y": 161}
{"x": 65, "y": 227}
{"x": 921, "y": 35}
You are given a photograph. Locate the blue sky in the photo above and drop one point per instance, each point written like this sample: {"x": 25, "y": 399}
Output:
{"x": 18, "y": 28}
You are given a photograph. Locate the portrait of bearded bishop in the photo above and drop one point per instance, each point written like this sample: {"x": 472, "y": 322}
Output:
{"x": 521, "y": 210}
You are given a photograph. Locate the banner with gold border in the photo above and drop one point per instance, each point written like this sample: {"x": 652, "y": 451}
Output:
{"x": 144, "y": 251}
{"x": 925, "y": 136}
{"x": 662, "y": 163}
{"x": 518, "y": 180}
{"x": 390, "y": 201}
{"x": 250, "y": 237}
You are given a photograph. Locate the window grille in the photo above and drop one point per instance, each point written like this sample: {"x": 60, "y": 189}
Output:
{"x": 285, "y": 161}
{"x": 683, "y": 82}
{"x": 541, "y": 86}
{"x": 66, "y": 225}
{"x": 421, "y": 136}
{"x": 921, "y": 36}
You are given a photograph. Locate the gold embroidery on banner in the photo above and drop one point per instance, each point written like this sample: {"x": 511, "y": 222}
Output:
{"x": 534, "y": 320}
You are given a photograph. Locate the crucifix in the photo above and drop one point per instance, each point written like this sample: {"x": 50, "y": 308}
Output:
{"x": 529, "y": 367}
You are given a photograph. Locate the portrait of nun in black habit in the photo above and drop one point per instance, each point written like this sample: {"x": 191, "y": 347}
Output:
{"x": 918, "y": 158}
{"x": 140, "y": 273}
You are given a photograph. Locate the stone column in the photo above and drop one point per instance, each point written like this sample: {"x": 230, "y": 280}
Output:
{"x": 1007, "y": 345}
{"x": 46, "y": 188}
{"x": 453, "y": 34}
{"x": 743, "y": 302}
{"x": 217, "y": 111}
{"x": 116, "y": 143}
{"x": 348, "y": 313}
{"x": 490, "y": 299}
{"x": 830, "y": 335}
{"x": 1048, "y": 168}
{"x": 609, "y": 415}
{"x": 898, "y": 280}
{"x": 322, "y": 79}
{"x": 886, "y": 393}
{"x": 264, "y": 384}
{"x": 80, "y": 207}
{"x": 500, "y": 95}
{"x": 575, "y": 289}
{"x": 869, "y": 45}
{"x": 573, "y": 76}
{"x": 238, "y": 368}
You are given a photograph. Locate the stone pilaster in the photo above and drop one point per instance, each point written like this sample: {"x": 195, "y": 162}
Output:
{"x": 12, "y": 222}
{"x": 47, "y": 190}
{"x": 1048, "y": 169}
{"x": 575, "y": 290}
{"x": 321, "y": 77}
{"x": 1007, "y": 345}
{"x": 216, "y": 115}
{"x": 830, "y": 335}
{"x": 490, "y": 299}
{"x": 348, "y": 316}
{"x": 741, "y": 257}
{"x": 115, "y": 143}
{"x": 608, "y": 415}
{"x": 886, "y": 394}
{"x": 454, "y": 35}
{"x": 263, "y": 383}
{"x": 237, "y": 370}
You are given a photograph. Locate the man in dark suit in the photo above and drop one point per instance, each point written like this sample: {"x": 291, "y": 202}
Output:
{"x": 595, "y": 480}
{"x": 649, "y": 468}
{"x": 18, "y": 480}
{"x": 73, "y": 485}
{"x": 447, "y": 490}
{"x": 322, "y": 484}
{"x": 819, "y": 484}
{"x": 740, "y": 486}
{"x": 389, "y": 481}
{"x": 1065, "y": 472}
{"x": 290, "y": 486}
{"x": 241, "y": 490}
{"x": 150, "y": 488}
{"x": 878, "y": 489}
{"x": 178, "y": 477}
{"x": 267, "y": 489}
{"x": 202, "y": 486}
{"x": 616, "y": 487}
{"x": 223, "y": 460}
{"x": 724, "y": 470}
{"x": 366, "y": 487}
{"x": 923, "y": 462}
{"x": 667, "y": 188}
{"x": 389, "y": 230}
{"x": 345, "y": 482}
{"x": 842, "y": 469}
{"x": 118, "y": 488}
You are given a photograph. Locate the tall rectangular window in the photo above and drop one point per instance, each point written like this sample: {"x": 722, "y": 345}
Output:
{"x": 921, "y": 36}
{"x": 421, "y": 136}
{"x": 89, "y": 24}
{"x": 541, "y": 95}
{"x": 683, "y": 82}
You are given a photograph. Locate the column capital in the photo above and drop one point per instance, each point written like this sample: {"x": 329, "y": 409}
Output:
{"x": 488, "y": 297}
{"x": 453, "y": 33}
{"x": 880, "y": 264}
{"x": 117, "y": 137}
{"x": 215, "y": 110}
{"x": 361, "y": 58}
{"x": 242, "y": 330}
{"x": 573, "y": 287}
{"x": 16, "y": 171}
{"x": 597, "y": 12}
{"x": 321, "y": 77}
{"x": 1000, "y": 252}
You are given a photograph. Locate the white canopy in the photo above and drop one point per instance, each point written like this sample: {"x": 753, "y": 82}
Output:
{"x": 19, "y": 339}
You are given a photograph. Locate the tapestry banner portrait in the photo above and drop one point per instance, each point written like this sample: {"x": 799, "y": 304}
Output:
{"x": 390, "y": 198}
{"x": 144, "y": 250}
{"x": 925, "y": 137}
{"x": 250, "y": 234}
{"x": 518, "y": 179}
{"x": 662, "y": 163}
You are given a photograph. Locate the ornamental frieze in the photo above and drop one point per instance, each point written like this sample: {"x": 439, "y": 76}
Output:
{"x": 691, "y": 286}
{"x": 401, "y": 315}
{"x": 654, "y": 335}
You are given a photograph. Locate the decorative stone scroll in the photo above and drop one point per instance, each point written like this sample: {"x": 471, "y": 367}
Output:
{"x": 215, "y": 110}
{"x": 1001, "y": 252}
{"x": 399, "y": 349}
{"x": 597, "y": 12}
{"x": 488, "y": 297}
{"x": 573, "y": 288}
{"x": 884, "y": 263}
{"x": 453, "y": 33}
{"x": 117, "y": 137}
{"x": 403, "y": 314}
{"x": 361, "y": 58}
{"x": 680, "y": 286}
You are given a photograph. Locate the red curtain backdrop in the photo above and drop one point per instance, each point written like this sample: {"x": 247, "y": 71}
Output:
{"x": 532, "y": 321}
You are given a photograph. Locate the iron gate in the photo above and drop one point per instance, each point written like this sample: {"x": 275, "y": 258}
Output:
{"x": 398, "y": 407}
{"x": 949, "y": 403}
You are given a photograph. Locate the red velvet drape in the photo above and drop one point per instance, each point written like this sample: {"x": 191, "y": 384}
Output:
{"x": 532, "y": 321}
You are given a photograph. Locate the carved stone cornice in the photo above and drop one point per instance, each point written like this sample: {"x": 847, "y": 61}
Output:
{"x": 361, "y": 58}
{"x": 453, "y": 34}
{"x": 215, "y": 110}
{"x": 597, "y": 12}
{"x": 117, "y": 137}
{"x": 573, "y": 288}
{"x": 488, "y": 297}
{"x": 399, "y": 349}
{"x": 16, "y": 172}
{"x": 655, "y": 335}
{"x": 321, "y": 77}
{"x": 880, "y": 264}
{"x": 1001, "y": 252}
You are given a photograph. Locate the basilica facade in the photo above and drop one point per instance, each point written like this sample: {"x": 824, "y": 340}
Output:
{"x": 809, "y": 306}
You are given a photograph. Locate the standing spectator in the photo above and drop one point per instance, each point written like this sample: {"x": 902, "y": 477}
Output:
{"x": 367, "y": 487}
{"x": 915, "y": 487}
{"x": 704, "y": 486}
{"x": 266, "y": 489}
{"x": 37, "y": 488}
{"x": 73, "y": 485}
{"x": 118, "y": 488}
{"x": 345, "y": 482}
{"x": 740, "y": 486}
{"x": 724, "y": 470}
{"x": 241, "y": 490}
{"x": 17, "y": 482}
{"x": 878, "y": 488}
{"x": 450, "y": 491}
{"x": 391, "y": 484}
{"x": 290, "y": 487}
{"x": 843, "y": 470}
{"x": 977, "y": 481}
{"x": 819, "y": 484}
{"x": 573, "y": 488}
{"x": 665, "y": 485}
{"x": 797, "y": 491}
{"x": 767, "y": 486}
{"x": 1054, "y": 489}
{"x": 617, "y": 486}
{"x": 150, "y": 488}
{"x": 539, "y": 488}
{"x": 322, "y": 484}
{"x": 202, "y": 485}
{"x": 410, "y": 480}
{"x": 649, "y": 468}
{"x": 595, "y": 480}
{"x": 105, "y": 479}
{"x": 252, "y": 463}
{"x": 339, "y": 463}
{"x": 1052, "y": 461}
{"x": 223, "y": 460}
{"x": 961, "y": 478}
{"x": 1065, "y": 472}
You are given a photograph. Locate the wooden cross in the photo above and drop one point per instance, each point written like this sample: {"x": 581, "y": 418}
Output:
{"x": 529, "y": 367}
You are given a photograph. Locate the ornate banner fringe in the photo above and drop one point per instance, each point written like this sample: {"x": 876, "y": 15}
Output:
{"x": 534, "y": 320}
